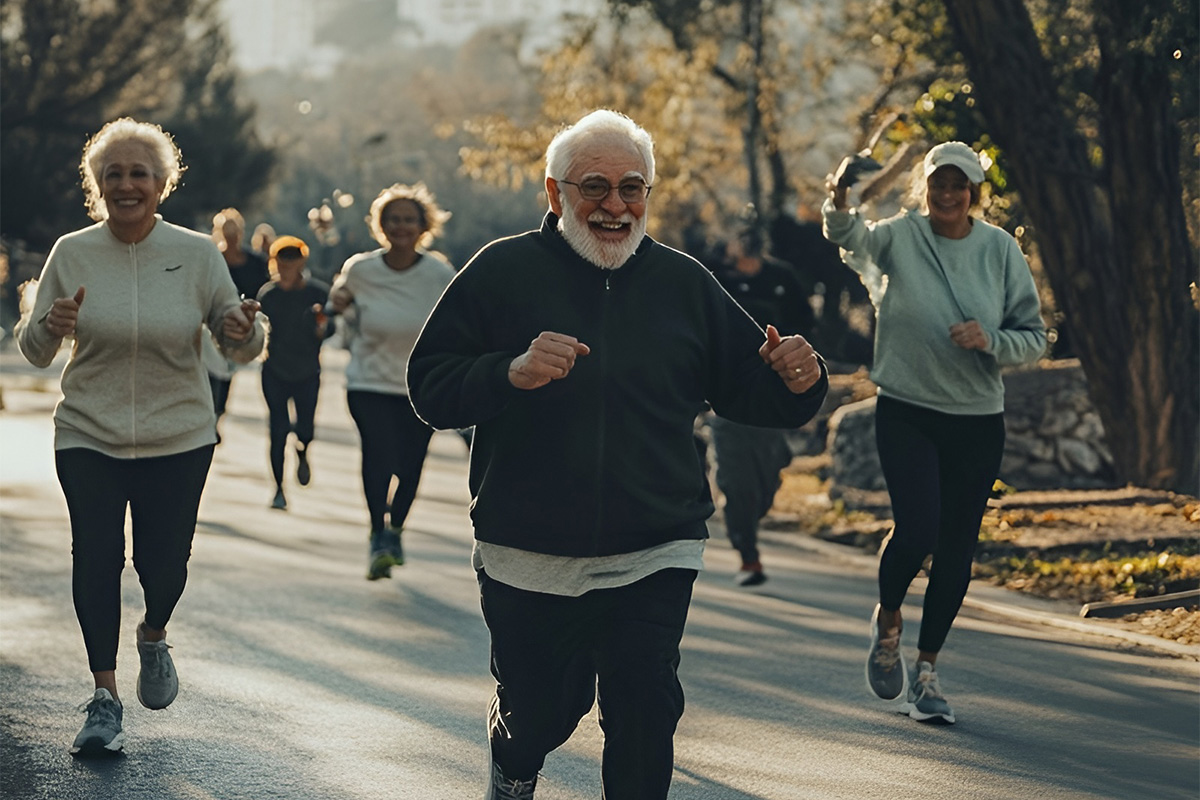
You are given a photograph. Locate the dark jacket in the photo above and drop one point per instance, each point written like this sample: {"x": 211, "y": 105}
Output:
{"x": 602, "y": 461}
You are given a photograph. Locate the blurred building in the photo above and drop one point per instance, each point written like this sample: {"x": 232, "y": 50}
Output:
{"x": 454, "y": 21}
{"x": 314, "y": 35}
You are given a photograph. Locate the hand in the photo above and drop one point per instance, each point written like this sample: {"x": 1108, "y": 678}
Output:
{"x": 969, "y": 335}
{"x": 550, "y": 357}
{"x": 320, "y": 317}
{"x": 340, "y": 300}
{"x": 793, "y": 358}
{"x": 64, "y": 313}
{"x": 838, "y": 192}
{"x": 239, "y": 322}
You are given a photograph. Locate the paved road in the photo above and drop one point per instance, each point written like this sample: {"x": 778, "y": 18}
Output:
{"x": 301, "y": 680}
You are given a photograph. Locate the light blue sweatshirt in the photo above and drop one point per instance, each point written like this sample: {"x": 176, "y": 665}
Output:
{"x": 922, "y": 284}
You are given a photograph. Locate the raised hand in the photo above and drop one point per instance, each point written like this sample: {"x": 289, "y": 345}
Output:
{"x": 793, "y": 358}
{"x": 550, "y": 357}
{"x": 239, "y": 322}
{"x": 64, "y": 314}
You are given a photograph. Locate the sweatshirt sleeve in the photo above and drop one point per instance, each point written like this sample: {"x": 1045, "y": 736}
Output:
{"x": 35, "y": 342}
{"x": 456, "y": 378}
{"x": 1022, "y": 334}
{"x": 224, "y": 297}
{"x": 847, "y": 230}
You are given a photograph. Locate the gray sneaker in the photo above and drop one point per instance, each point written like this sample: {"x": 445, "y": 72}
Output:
{"x": 157, "y": 683}
{"x": 101, "y": 734}
{"x": 502, "y": 788}
{"x": 925, "y": 702}
{"x": 886, "y": 673}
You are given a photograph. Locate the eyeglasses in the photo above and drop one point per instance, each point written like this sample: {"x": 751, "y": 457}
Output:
{"x": 631, "y": 191}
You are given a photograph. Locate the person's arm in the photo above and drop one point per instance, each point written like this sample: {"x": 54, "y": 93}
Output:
{"x": 1022, "y": 334}
{"x": 753, "y": 375}
{"x": 237, "y": 328}
{"x": 49, "y": 311}
{"x": 456, "y": 377}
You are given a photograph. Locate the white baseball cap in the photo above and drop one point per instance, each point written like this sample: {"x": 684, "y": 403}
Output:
{"x": 955, "y": 154}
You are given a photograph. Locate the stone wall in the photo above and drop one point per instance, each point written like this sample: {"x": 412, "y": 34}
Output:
{"x": 1054, "y": 436}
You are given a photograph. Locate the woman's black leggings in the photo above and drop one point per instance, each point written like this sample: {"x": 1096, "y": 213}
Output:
{"x": 163, "y": 497}
{"x": 303, "y": 396}
{"x": 939, "y": 470}
{"x": 394, "y": 442}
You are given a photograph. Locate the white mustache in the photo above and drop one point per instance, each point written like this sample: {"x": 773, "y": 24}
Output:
{"x": 600, "y": 216}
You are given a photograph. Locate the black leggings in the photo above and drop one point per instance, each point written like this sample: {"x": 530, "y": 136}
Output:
{"x": 394, "y": 442}
{"x": 303, "y": 396}
{"x": 939, "y": 470}
{"x": 163, "y": 497}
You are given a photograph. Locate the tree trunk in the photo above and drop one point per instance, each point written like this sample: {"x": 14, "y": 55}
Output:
{"x": 1114, "y": 243}
{"x": 752, "y": 12}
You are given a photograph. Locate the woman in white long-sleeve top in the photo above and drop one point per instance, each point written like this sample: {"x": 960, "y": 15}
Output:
{"x": 134, "y": 428}
{"x": 955, "y": 301}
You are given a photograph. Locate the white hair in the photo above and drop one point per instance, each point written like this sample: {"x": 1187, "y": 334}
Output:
{"x": 159, "y": 144}
{"x": 566, "y": 144}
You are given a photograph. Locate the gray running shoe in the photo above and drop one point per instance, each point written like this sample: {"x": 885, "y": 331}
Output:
{"x": 101, "y": 734}
{"x": 157, "y": 683}
{"x": 926, "y": 703}
{"x": 502, "y": 788}
{"x": 279, "y": 502}
{"x": 886, "y": 674}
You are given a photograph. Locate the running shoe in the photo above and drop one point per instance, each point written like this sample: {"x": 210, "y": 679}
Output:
{"x": 379, "y": 558}
{"x": 157, "y": 683}
{"x": 280, "y": 502}
{"x": 101, "y": 734}
{"x": 502, "y": 788}
{"x": 303, "y": 471}
{"x": 390, "y": 541}
{"x": 926, "y": 703}
{"x": 886, "y": 673}
{"x": 750, "y": 576}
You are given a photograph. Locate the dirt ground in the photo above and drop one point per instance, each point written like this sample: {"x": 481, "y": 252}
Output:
{"x": 1086, "y": 546}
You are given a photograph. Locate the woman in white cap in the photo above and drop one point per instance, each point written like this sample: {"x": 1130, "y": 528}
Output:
{"x": 955, "y": 301}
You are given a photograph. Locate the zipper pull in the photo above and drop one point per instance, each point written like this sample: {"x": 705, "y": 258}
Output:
{"x": 607, "y": 282}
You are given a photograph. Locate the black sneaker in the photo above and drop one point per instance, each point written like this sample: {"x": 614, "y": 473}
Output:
{"x": 101, "y": 734}
{"x": 280, "y": 502}
{"x": 886, "y": 674}
{"x": 303, "y": 471}
{"x": 379, "y": 558}
{"x": 389, "y": 540}
{"x": 502, "y": 788}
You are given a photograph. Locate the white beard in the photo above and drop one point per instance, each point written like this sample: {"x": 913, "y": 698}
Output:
{"x": 606, "y": 255}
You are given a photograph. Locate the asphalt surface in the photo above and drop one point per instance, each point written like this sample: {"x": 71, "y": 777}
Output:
{"x": 300, "y": 679}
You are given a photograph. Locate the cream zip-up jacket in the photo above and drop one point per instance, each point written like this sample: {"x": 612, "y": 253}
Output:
{"x": 135, "y": 386}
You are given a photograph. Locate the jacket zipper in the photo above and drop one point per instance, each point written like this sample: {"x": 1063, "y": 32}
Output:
{"x": 601, "y": 431}
{"x": 134, "y": 350}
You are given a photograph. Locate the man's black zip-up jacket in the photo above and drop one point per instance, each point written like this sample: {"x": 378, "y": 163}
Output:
{"x": 602, "y": 461}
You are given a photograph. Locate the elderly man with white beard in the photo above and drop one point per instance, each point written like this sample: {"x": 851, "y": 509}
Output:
{"x": 582, "y": 352}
